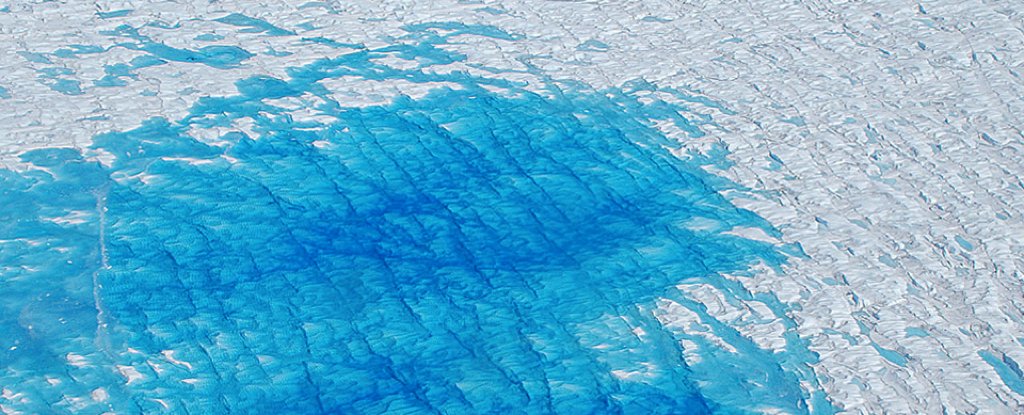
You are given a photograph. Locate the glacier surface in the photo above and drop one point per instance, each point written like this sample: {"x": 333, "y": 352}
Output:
{"x": 511, "y": 207}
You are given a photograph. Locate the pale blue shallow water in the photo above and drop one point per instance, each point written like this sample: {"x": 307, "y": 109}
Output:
{"x": 466, "y": 252}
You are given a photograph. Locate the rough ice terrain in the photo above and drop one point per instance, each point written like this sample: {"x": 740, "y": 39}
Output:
{"x": 511, "y": 207}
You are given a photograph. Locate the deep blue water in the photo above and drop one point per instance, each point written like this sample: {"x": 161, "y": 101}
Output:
{"x": 467, "y": 252}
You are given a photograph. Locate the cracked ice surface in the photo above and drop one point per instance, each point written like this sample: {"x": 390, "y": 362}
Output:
{"x": 305, "y": 152}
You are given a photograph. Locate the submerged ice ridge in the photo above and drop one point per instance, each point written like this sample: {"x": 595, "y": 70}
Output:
{"x": 482, "y": 248}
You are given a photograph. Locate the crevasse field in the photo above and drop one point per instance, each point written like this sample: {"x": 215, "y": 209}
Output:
{"x": 511, "y": 207}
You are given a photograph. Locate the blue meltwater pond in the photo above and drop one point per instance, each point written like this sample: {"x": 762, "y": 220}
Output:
{"x": 469, "y": 251}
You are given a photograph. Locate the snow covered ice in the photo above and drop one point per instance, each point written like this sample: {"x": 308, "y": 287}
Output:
{"x": 511, "y": 207}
